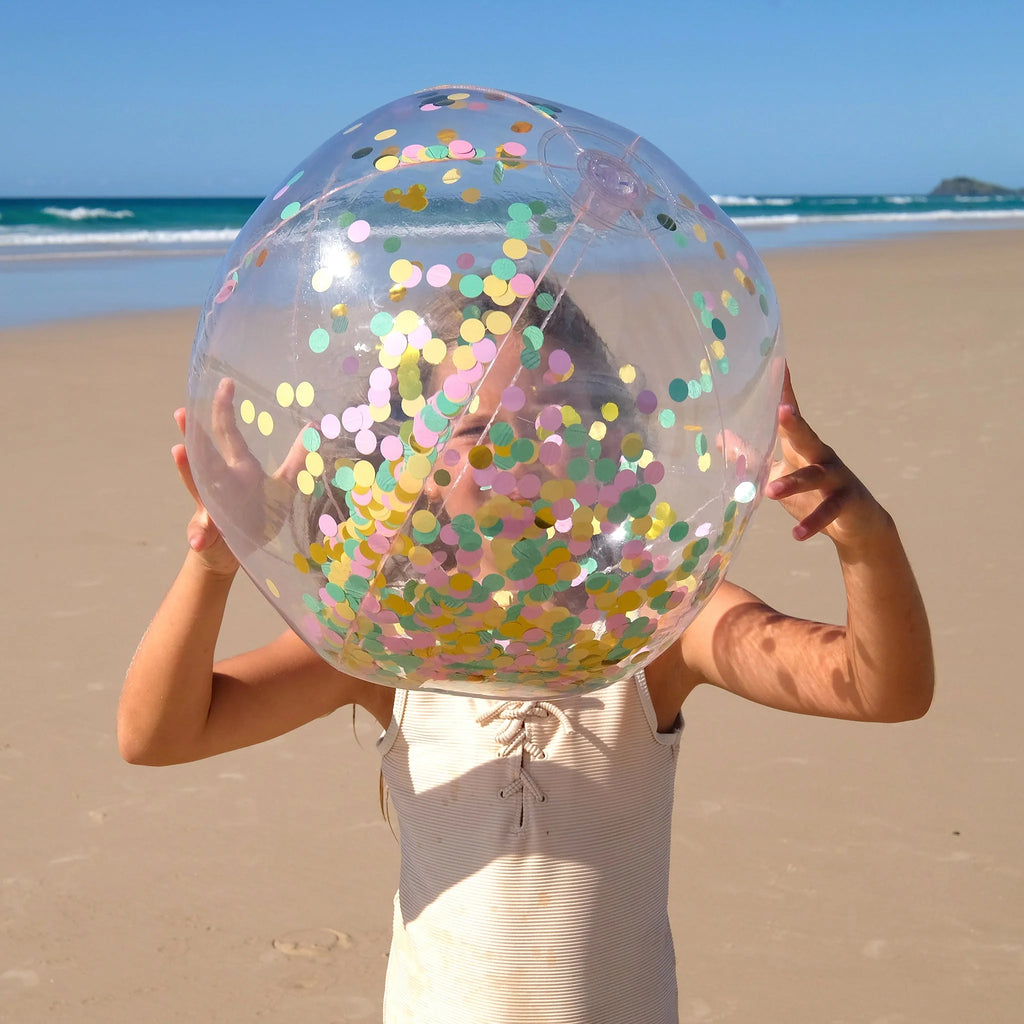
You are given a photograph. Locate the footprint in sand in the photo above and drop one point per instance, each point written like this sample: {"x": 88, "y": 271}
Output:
{"x": 313, "y": 942}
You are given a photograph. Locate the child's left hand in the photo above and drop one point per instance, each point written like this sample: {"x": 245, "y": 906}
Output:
{"x": 816, "y": 487}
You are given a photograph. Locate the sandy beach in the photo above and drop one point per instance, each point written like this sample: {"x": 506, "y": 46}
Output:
{"x": 823, "y": 872}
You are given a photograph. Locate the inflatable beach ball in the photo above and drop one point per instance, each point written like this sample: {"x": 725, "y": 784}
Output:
{"x": 484, "y": 396}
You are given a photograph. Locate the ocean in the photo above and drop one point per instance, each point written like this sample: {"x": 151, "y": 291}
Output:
{"x": 64, "y": 258}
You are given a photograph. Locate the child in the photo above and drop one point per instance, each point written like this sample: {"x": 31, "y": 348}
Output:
{"x": 535, "y": 834}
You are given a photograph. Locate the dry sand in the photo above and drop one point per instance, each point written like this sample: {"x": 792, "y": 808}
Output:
{"x": 823, "y": 871}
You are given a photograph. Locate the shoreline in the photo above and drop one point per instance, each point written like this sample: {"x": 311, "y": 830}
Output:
{"x": 783, "y": 254}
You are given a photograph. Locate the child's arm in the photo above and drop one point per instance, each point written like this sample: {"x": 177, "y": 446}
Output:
{"x": 878, "y": 667}
{"x": 178, "y": 706}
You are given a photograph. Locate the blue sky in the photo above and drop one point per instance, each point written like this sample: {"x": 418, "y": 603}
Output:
{"x": 204, "y": 98}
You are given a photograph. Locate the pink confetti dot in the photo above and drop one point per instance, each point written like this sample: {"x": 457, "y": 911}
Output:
{"x": 425, "y": 437}
{"x": 707, "y": 211}
{"x": 438, "y": 275}
{"x": 521, "y": 285}
{"x": 419, "y": 337}
{"x": 504, "y": 482}
{"x": 358, "y": 231}
{"x": 461, "y": 149}
{"x": 413, "y": 154}
{"x": 378, "y": 397}
{"x": 464, "y": 261}
{"x": 328, "y": 526}
{"x": 654, "y": 473}
{"x": 560, "y": 361}
{"x": 456, "y": 389}
{"x": 485, "y": 350}
{"x": 452, "y": 457}
{"x": 366, "y": 443}
{"x": 513, "y": 398}
{"x": 514, "y": 148}
{"x": 352, "y": 419}
{"x": 330, "y": 426}
{"x": 391, "y": 448}
{"x": 529, "y": 485}
{"x": 380, "y": 377}
{"x": 550, "y": 417}
{"x": 350, "y": 365}
{"x": 549, "y": 453}
{"x": 586, "y": 492}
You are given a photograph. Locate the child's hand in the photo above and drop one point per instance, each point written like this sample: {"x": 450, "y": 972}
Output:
{"x": 814, "y": 485}
{"x": 261, "y": 500}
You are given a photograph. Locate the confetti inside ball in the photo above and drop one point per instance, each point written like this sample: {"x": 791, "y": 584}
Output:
{"x": 484, "y": 396}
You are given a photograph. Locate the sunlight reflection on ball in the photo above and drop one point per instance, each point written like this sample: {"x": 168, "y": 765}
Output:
{"x": 484, "y": 396}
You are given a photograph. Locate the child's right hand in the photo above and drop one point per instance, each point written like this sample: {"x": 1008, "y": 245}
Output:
{"x": 203, "y": 536}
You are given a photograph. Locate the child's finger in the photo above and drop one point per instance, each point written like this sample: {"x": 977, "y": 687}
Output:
{"x": 822, "y": 517}
{"x": 225, "y": 428}
{"x": 180, "y": 457}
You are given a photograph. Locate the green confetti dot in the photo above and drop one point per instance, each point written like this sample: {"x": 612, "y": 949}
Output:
{"x": 530, "y": 358}
{"x": 706, "y": 383}
{"x": 719, "y": 328}
{"x": 678, "y": 390}
{"x": 311, "y": 439}
{"x": 383, "y": 323}
{"x": 345, "y": 219}
{"x": 392, "y": 244}
{"x": 545, "y": 301}
{"x": 344, "y": 478}
{"x": 577, "y": 469}
{"x": 698, "y": 300}
{"x": 547, "y": 225}
{"x": 319, "y": 339}
{"x": 361, "y": 152}
{"x": 517, "y": 229}
{"x": 667, "y": 418}
{"x": 605, "y": 470}
{"x": 677, "y": 531}
{"x": 520, "y": 212}
{"x": 700, "y": 442}
{"x": 502, "y": 434}
{"x": 503, "y": 269}
{"x": 538, "y": 206}
{"x": 732, "y": 306}
{"x": 680, "y": 238}
{"x": 533, "y": 336}
{"x": 575, "y": 435}
{"x": 763, "y": 302}
{"x": 290, "y": 210}
{"x": 523, "y": 449}
{"x": 442, "y": 477}
{"x": 437, "y": 152}
{"x": 471, "y": 286}
{"x": 695, "y": 389}
{"x": 339, "y": 324}
{"x": 666, "y": 222}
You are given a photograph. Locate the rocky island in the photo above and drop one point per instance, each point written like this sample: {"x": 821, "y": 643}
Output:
{"x": 963, "y": 186}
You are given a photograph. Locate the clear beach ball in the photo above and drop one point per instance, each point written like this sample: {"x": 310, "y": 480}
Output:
{"x": 484, "y": 396}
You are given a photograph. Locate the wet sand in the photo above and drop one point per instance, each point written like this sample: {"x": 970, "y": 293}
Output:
{"x": 822, "y": 871}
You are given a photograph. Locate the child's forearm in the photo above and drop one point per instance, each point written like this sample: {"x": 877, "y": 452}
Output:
{"x": 168, "y": 689}
{"x": 889, "y": 659}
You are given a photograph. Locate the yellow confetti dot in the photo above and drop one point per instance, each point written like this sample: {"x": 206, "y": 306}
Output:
{"x": 498, "y": 322}
{"x": 265, "y": 424}
{"x": 247, "y": 411}
{"x": 386, "y": 163}
{"x": 380, "y": 413}
{"x": 341, "y": 309}
{"x": 514, "y": 248}
{"x": 471, "y": 195}
{"x": 314, "y": 463}
{"x": 717, "y": 349}
{"x": 305, "y": 482}
{"x": 494, "y": 286}
{"x": 598, "y": 431}
{"x": 632, "y": 446}
{"x": 472, "y": 330}
{"x": 719, "y": 250}
{"x": 627, "y": 373}
{"x": 699, "y": 233}
{"x": 388, "y": 133}
{"x": 272, "y": 587}
{"x": 463, "y": 357}
{"x": 304, "y": 394}
{"x": 364, "y": 474}
{"x": 408, "y": 320}
{"x": 424, "y": 520}
{"x": 322, "y": 279}
{"x": 452, "y": 176}
{"x": 418, "y": 466}
{"x": 704, "y": 462}
{"x": 434, "y": 351}
{"x": 610, "y": 411}
{"x": 400, "y": 271}
{"x": 285, "y": 394}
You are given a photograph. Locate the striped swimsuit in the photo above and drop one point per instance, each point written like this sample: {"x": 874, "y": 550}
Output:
{"x": 535, "y": 853}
